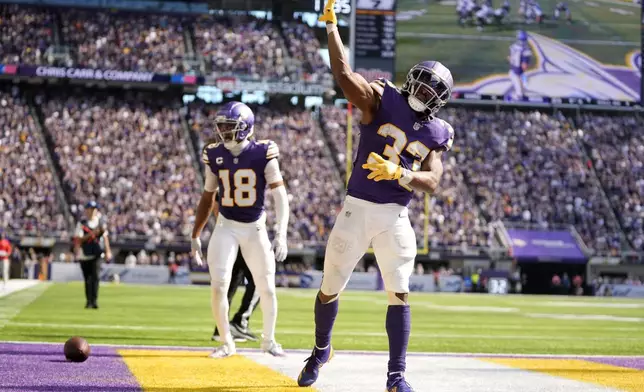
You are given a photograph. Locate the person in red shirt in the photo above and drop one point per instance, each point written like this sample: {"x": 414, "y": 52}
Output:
{"x": 5, "y": 252}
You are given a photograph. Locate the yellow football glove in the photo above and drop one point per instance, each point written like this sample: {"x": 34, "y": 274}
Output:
{"x": 382, "y": 169}
{"x": 328, "y": 15}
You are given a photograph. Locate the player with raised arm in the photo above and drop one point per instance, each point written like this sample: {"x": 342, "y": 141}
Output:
{"x": 399, "y": 125}
{"x": 239, "y": 170}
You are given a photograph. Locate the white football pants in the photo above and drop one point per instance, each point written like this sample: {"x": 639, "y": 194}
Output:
{"x": 360, "y": 223}
{"x": 252, "y": 239}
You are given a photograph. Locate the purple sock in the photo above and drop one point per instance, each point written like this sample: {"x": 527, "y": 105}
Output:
{"x": 398, "y": 326}
{"x": 324, "y": 319}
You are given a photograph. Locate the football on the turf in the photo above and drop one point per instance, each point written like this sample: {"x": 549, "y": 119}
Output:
{"x": 77, "y": 349}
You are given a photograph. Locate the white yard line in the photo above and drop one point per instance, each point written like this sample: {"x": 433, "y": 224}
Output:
{"x": 11, "y": 307}
{"x": 581, "y": 304}
{"x": 309, "y": 331}
{"x": 347, "y": 352}
{"x": 16, "y": 285}
{"x": 585, "y": 317}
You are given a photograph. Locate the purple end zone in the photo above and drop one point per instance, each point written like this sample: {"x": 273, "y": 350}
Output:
{"x": 42, "y": 367}
{"x": 633, "y": 363}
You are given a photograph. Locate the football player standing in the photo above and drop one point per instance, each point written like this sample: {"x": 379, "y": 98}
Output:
{"x": 399, "y": 124}
{"x": 239, "y": 170}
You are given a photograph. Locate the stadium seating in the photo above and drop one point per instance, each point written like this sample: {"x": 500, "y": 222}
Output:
{"x": 525, "y": 167}
{"x": 130, "y": 155}
{"x": 304, "y": 47}
{"x": 528, "y": 167}
{"x": 28, "y": 202}
{"x": 243, "y": 46}
{"x": 238, "y": 45}
{"x": 25, "y": 34}
{"x": 135, "y": 42}
{"x": 616, "y": 145}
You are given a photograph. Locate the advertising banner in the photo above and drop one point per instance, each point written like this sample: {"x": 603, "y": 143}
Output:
{"x": 545, "y": 246}
{"x": 365, "y": 281}
{"x": 145, "y": 274}
{"x": 231, "y": 83}
{"x": 620, "y": 290}
{"x": 528, "y": 51}
{"x": 375, "y": 39}
{"x": 98, "y": 74}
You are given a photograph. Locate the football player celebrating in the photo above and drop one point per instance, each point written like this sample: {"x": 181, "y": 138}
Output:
{"x": 239, "y": 170}
{"x": 398, "y": 124}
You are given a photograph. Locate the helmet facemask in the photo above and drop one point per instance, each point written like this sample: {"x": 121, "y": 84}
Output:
{"x": 231, "y": 132}
{"x": 427, "y": 92}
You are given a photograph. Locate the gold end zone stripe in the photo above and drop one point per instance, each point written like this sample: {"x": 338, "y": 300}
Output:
{"x": 624, "y": 379}
{"x": 175, "y": 370}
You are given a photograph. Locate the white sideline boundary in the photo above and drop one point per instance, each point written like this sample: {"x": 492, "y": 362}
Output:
{"x": 16, "y": 285}
{"x": 338, "y": 333}
{"x": 347, "y": 352}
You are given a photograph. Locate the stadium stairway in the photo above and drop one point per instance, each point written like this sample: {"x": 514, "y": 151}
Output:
{"x": 193, "y": 61}
{"x": 329, "y": 144}
{"x": 45, "y": 139}
{"x": 191, "y": 143}
{"x": 331, "y": 151}
{"x": 610, "y": 205}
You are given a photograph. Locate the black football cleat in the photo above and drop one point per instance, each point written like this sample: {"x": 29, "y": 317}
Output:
{"x": 241, "y": 334}
{"x": 236, "y": 338}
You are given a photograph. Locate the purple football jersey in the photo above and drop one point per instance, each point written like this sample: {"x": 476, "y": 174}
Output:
{"x": 397, "y": 134}
{"x": 519, "y": 53}
{"x": 242, "y": 184}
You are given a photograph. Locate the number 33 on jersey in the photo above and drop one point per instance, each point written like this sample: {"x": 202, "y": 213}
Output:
{"x": 242, "y": 179}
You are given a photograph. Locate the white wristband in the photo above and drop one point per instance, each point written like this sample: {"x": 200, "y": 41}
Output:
{"x": 405, "y": 178}
{"x": 331, "y": 27}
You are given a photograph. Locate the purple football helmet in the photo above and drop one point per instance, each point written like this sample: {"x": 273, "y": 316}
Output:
{"x": 428, "y": 87}
{"x": 234, "y": 123}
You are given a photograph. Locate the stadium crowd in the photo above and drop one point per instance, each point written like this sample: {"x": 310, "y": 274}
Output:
{"x": 528, "y": 167}
{"x": 25, "y": 34}
{"x": 239, "y": 45}
{"x": 28, "y": 202}
{"x": 304, "y": 47}
{"x": 134, "y": 42}
{"x": 130, "y": 155}
{"x": 242, "y": 45}
{"x": 616, "y": 146}
{"x": 313, "y": 186}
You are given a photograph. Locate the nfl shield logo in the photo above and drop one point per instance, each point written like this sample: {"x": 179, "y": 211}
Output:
{"x": 416, "y": 126}
{"x": 235, "y": 161}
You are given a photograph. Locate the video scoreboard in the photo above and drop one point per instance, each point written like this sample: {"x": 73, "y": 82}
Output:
{"x": 374, "y": 42}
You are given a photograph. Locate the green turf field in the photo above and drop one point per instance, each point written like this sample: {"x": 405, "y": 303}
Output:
{"x": 180, "y": 315}
{"x": 471, "y": 54}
